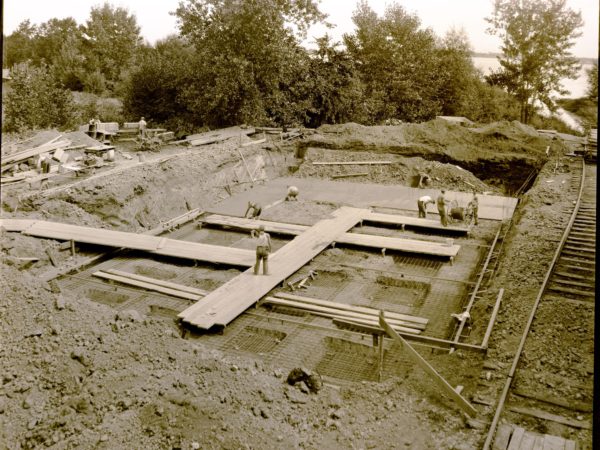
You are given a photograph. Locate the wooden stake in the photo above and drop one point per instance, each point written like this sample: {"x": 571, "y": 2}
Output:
{"x": 72, "y": 247}
{"x": 380, "y": 375}
{"x": 421, "y": 362}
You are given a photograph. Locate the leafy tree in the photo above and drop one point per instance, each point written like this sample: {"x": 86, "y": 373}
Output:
{"x": 35, "y": 100}
{"x": 335, "y": 89}
{"x": 397, "y": 63}
{"x": 68, "y": 64}
{"x": 536, "y": 38}
{"x": 19, "y": 45}
{"x": 50, "y": 38}
{"x": 592, "y": 78}
{"x": 247, "y": 57}
{"x": 111, "y": 37}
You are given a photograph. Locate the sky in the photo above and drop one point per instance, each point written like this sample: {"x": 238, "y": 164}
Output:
{"x": 441, "y": 15}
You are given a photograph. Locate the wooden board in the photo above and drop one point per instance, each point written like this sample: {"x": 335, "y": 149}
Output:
{"x": 350, "y": 163}
{"x": 149, "y": 286}
{"x": 421, "y": 362}
{"x": 167, "y": 284}
{"x": 551, "y": 417}
{"x": 231, "y": 299}
{"x": 334, "y": 313}
{"x": 97, "y": 236}
{"x": 394, "y": 219}
{"x": 34, "y": 151}
{"x": 420, "y": 322}
{"x": 357, "y": 239}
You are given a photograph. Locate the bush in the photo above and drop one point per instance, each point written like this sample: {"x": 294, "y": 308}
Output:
{"x": 35, "y": 100}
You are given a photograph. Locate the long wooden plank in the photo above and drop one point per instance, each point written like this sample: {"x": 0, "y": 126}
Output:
{"x": 350, "y": 163}
{"x": 538, "y": 413}
{"x": 231, "y": 299}
{"x": 421, "y": 362}
{"x": 516, "y": 438}
{"x": 391, "y": 315}
{"x": 358, "y": 239}
{"x": 393, "y": 219}
{"x": 33, "y": 152}
{"x": 427, "y": 340}
{"x": 149, "y": 286}
{"x": 339, "y": 313}
{"x": 373, "y": 322}
{"x": 167, "y": 284}
{"x": 110, "y": 238}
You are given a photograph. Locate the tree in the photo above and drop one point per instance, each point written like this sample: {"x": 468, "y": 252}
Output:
{"x": 592, "y": 77}
{"x": 50, "y": 38}
{"x": 19, "y": 45}
{"x": 397, "y": 62}
{"x": 35, "y": 100}
{"x": 248, "y": 57}
{"x": 536, "y": 38}
{"x": 111, "y": 38}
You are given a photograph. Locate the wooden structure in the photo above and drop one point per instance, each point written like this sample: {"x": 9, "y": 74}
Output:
{"x": 421, "y": 362}
{"x": 357, "y": 239}
{"x": 414, "y": 222}
{"x": 231, "y": 299}
{"x": 511, "y": 437}
{"x": 152, "y": 244}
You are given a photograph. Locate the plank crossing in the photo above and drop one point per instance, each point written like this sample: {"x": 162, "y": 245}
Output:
{"x": 231, "y": 299}
{"x": 417, "y": 222}
{"x": 357, "y": 239}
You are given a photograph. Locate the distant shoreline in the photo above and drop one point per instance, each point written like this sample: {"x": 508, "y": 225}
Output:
{"x": 495, "y": 55}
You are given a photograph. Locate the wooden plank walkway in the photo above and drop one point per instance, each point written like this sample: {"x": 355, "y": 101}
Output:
{"x": 358, "y": 239}
{"x": 156, "y": 245}
{"x": 231, "y": 299}
{"x": 394, "y": 219}
{"x": 512, "y": 437}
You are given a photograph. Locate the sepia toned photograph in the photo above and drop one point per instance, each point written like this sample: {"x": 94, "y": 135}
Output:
{"x": 298, "y": 224}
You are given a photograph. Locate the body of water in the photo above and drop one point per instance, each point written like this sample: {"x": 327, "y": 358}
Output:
{"x": 576, "y": 87}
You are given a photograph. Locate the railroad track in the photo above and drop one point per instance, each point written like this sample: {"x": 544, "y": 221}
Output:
{"x": 547, "y": 400}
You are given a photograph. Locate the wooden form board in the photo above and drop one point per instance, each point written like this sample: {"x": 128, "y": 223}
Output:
{"x": 421, "y": 362}
{"x": 394, "y": 219}
{"x": 25, "y": 154}
{"x": 511, "y": 437}
{"x": 157, "y": 245}
{"x": 350, "y": 163}
{"x": 357, "y": 239}
{"x": 231, "y": 299}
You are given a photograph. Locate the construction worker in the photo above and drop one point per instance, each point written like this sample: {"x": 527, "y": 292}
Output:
{"x": 474, "y": 206}
{"x": 263, "y": 248}
{"x": 441, "y": 206}
{"x": 142, "y": 126}
{"x": 422, "y": 205}
{"x": 254, "y": 209}
{"x": 292, "y": 194}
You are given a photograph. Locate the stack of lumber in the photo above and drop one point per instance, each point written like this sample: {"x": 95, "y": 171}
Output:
{"x": 152, "y": 284}
{"x": 357, "y": 314}
{"x": 54, "y": 145}
{"x": 211, "y": 137}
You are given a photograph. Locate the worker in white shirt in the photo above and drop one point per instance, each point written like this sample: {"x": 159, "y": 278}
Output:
{"x": 292, "y": 194}
{"x": 142, "y": 126}
{"x": 422, "y": 205}
{"x": 263, "y": 248}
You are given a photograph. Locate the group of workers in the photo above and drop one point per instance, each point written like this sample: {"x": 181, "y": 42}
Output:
{"x": 442, "y": 205}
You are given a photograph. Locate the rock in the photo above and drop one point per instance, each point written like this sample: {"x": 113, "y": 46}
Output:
{"x": 234, "y": 368}
{"x": 2, "y": 405}
{"x": 31, "y": 424}
{"x": 78, "y": 354}
{"x": 129, "y": 315}
{"x": 104, "y": 438}
{"x": 475, "y": 424}
{"x": 264, "y": 413}
{"x": 312, "y": 380}
{"x": 266, "y": 396}
{"x": 60, "y": 303}
{"x": 195, "y": 446}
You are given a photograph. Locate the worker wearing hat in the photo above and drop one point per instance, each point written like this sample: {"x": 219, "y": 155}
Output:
{"x": 263, "y": 248}
{"x": 292, "y": 194}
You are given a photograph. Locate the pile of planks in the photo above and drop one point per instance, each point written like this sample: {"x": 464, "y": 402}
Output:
{"x": 152, "y": 284}
{"x": 357, "y": 314}
{"x": 211, "y": 137}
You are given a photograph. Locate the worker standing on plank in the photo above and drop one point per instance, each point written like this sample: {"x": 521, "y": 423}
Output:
{"x": 263, "y": 248}
{"x": 254, "y": 209}
{"x": 474, "y": 206}
{"x": 441, "y": 206}
{"x": 292, "y": 194}
{"x": 422, "y": 205}
{"x": 142, "y": 128}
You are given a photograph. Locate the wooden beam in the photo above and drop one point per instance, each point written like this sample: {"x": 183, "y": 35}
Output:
{"x": 551, "y": 417}
{"x": 421, "y": 362}
{"x": 348, "y": 175}
{"x": 167, "y": 284}
{"x": 425, "y": 340}
{"x": 350, "y": 163}
{"x": 149, "y": 286}
{"x": 361, "y": 309}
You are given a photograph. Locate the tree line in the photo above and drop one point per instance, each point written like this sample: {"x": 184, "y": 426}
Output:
{"x": 235, "y": 61}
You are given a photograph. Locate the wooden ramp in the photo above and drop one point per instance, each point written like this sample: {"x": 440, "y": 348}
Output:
{"x": 357, "y": 239}
{"x": 511, "y": 437}
{"x": 394, "y": 219}
{"x": 231, "y": 299}
{"x": 152, "y": 244}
